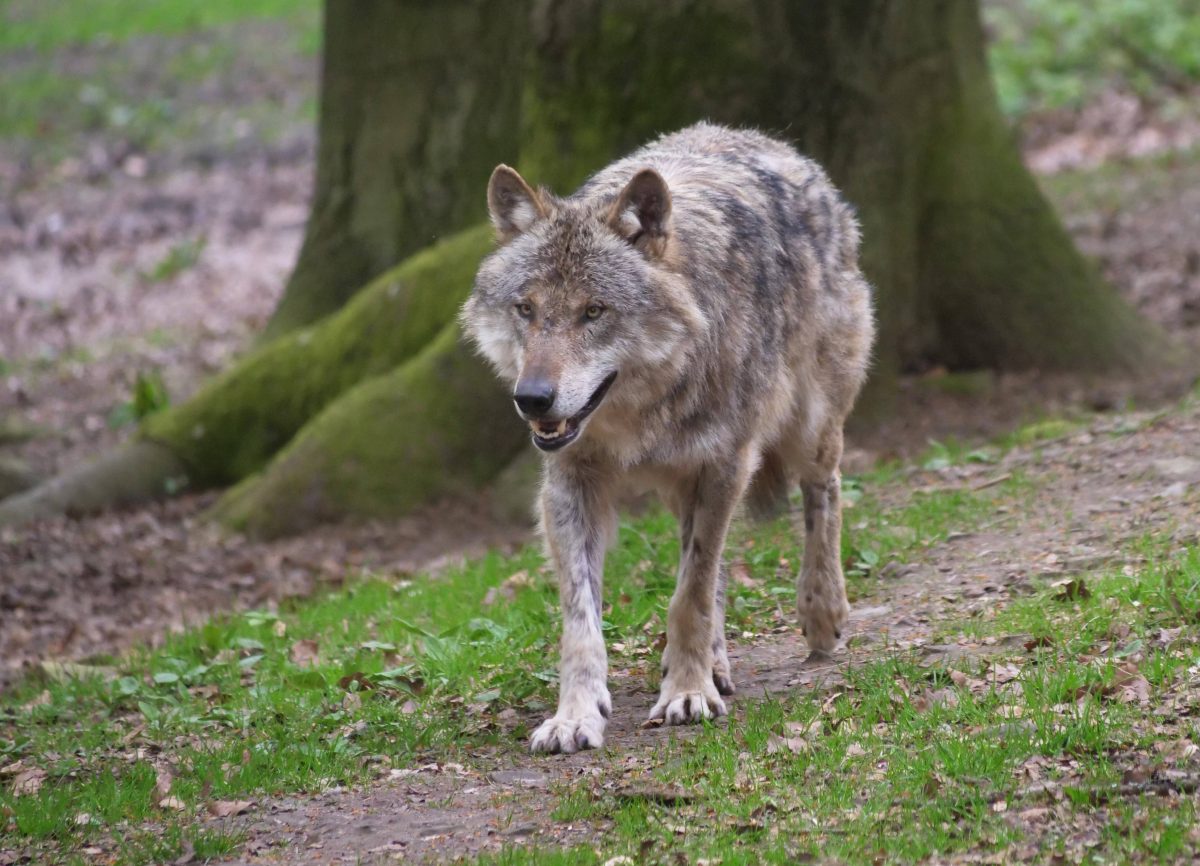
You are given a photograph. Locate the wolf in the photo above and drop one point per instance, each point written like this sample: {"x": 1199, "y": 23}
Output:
{"x": 691, "y": 321}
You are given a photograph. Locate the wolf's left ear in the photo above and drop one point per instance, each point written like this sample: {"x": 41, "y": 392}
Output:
{"x": 642, "y": 213}
{"x": 512, "y": 203}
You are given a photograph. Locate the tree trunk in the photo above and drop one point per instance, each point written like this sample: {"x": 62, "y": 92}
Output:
{"x": 381, "y": 405}
{"x": 419, "y": 101}
{"x": 971, "y": 266}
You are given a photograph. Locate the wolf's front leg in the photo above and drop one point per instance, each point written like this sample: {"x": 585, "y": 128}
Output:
{"x": 689, "y": 691}
{"x": 578, "y": 520}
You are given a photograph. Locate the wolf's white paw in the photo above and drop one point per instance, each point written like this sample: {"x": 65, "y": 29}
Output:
{"x": 823, "y": 620}
{"x": 684, "y": 704}
{"x": 559, "y": 734}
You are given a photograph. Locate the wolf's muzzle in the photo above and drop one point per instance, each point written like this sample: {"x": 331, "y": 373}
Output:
{"x": 553, "y": 435}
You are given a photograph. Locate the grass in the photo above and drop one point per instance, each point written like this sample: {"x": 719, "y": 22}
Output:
{"x": 45, "y": 27}
{"x": 1025, "y": 744}
{"x": 152, "y": 76}
{"x": 334, "y": 689}
{"x": 1048, "y": 54}
{"x": 1021, "y": 754}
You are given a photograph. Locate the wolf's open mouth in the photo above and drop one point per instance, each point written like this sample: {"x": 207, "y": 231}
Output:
{"x": 552, "y": 435}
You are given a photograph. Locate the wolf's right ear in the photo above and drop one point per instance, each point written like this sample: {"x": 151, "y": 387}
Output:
{"x": 642, "y": 212}
{"x": 512, "y": 203}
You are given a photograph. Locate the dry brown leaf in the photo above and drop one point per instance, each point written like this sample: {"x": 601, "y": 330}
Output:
{"x": 29, "y": 782}
{"x": 739, "y": 574}
{"x": 509, "y": 588}
{"x": 228, "y": 808}
{"x": 1130, "y": 685}
{"x": 40, "y": 701}
{"x": 357, "y": 681}
{"x": 304, "y": 653}
{"x": 162, "y": 781}
{"x": 172, "y": 803}
{"x": 934, "y": 698}
{"x": 795, "y": 745}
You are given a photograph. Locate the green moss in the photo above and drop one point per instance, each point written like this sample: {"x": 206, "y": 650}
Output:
{"x": 234, "y": 425}
{"x": 440, "y": 425}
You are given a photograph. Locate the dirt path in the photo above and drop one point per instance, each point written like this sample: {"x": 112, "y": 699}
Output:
{"x": 1095, "y": 491}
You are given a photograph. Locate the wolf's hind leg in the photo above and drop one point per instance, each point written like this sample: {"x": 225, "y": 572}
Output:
{"x": 578, "y": 520}
{"x": 821, "y": 589}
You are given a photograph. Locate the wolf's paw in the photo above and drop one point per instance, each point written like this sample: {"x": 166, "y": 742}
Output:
{"x": 562, "y": 735}
{"x": 683, "y": 703}
{"x": 721, "y": 676}
{"x": 823, "y": 620}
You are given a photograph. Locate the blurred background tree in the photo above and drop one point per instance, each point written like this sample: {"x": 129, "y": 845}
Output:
{"x": 361, "y": 401}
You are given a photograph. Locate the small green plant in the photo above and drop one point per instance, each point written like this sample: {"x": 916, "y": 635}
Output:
{"x": 149, "y": 396}
{"x": 178, "y": 259}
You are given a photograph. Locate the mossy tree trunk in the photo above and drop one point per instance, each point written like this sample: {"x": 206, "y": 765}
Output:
{"x": 418, "y": 102}
{"x": 379, "y": 407}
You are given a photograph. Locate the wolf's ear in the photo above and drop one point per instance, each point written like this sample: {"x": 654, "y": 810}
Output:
{"x": 642, "y": 213}
{"x": 512, "y": 203}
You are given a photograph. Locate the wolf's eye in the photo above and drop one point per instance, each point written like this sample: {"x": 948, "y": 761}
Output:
{"x": 593, "y": 311}
{"x": 525, "y": 310}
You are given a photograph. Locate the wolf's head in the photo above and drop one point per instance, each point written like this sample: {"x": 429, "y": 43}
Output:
{"x": 579, "y": 301}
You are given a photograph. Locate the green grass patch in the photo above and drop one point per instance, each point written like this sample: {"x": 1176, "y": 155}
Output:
{"x": 1014, "y": 754}
{"x": 30, "y": 24}
{"x": 1047, "y": 54}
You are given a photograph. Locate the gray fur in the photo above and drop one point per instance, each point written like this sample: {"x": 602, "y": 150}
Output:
{"x": 715, "y": 273}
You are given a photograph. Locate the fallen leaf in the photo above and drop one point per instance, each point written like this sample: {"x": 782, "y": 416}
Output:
{"x": 40, "y": 701}
{"x": 304, "y": 653}
{"x": 795, "y": 745}
{"x": 739, "y": 574}
{"x": 172, "y": 803}
{"x": 227, "y": 808}
{"x": 162, "y": 781}
{"x": 355, "y": 682}
{"x": 29, "y": 782}
{"x": 934, "y": 698}
{"x": 508, "y": 589}
{"x": 1130, "y": 685}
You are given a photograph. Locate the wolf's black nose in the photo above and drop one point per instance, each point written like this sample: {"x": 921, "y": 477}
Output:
{"x": 534, "y": 397}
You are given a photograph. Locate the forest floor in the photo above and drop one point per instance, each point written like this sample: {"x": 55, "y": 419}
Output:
{"x": 1039, "y": 590}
